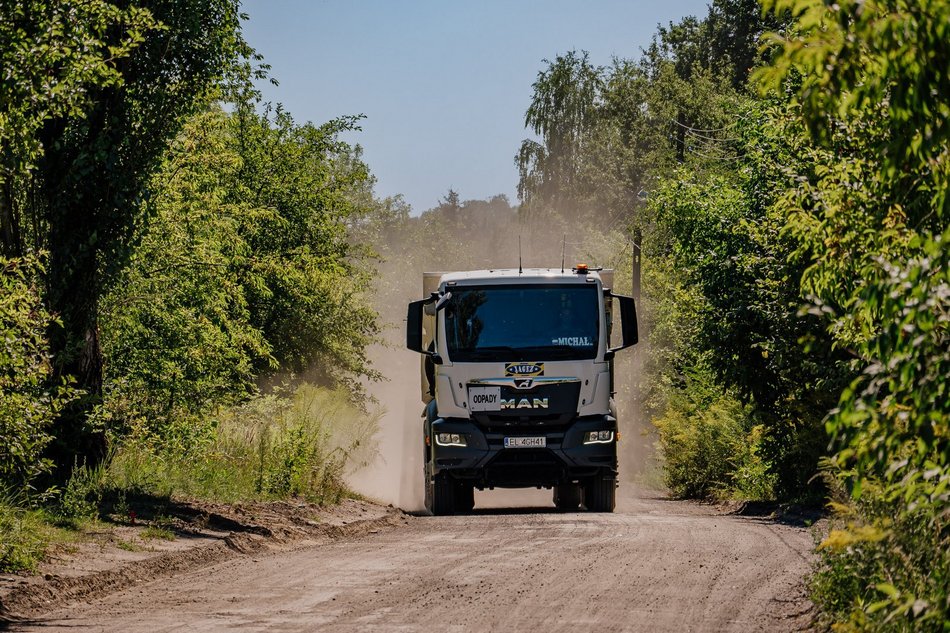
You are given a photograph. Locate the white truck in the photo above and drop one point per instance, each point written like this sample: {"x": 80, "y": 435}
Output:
{"x": 518, "y": 383}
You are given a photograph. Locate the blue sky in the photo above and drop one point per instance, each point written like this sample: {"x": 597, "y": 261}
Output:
{"x": 443, "y": 84}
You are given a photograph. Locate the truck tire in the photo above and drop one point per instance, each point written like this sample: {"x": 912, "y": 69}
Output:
{"x": 465, "y": 497}
{"x": 440, "y": 495}
{"x": 600, "y": 494}
{"x": 567, "y": 497}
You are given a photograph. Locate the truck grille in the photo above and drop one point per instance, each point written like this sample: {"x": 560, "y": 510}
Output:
{"x": 525, "y": 425}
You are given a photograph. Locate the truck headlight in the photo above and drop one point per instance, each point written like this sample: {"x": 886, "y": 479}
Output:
{"x": 450, "y": 439}
{"x": 598, "y": 437}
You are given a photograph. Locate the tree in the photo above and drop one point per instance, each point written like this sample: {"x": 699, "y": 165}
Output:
{"x": 93, "y": 174}
{"x": 176, "y": 331}
{"x": 562, "y": 112}
{"x": 306, "y": 279}
{"x": 53, "y": 56}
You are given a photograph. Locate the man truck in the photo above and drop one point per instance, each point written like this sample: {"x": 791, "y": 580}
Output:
{"x": 518, "y": 383}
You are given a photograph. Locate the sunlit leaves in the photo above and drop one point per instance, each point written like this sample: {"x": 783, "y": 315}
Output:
{"x": 52, "y": 53}
{"x": 29, "y": 397}
{"x": 871, "y": 81}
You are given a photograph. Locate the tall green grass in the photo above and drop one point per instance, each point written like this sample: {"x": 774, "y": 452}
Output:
{"x": 273, "y": 447}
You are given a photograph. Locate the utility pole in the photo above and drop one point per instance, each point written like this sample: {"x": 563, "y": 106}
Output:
{"x": 635, "y": 276}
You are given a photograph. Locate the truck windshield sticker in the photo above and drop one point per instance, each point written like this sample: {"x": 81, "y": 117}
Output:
{"x": 572, "y": 341}
{"x": 523, "y": 323}
{"x": 524, "y": 369}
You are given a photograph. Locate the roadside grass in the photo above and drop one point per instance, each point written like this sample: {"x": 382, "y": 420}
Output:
{"x": 129, "y": 546}
{"x": 273, "y": 447}
{"x": 284, "y": 445}
{"x": 26, "y": 534}
{"x": 158, "y": 532}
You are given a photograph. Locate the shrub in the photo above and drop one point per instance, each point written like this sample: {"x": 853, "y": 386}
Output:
{"x": 710, "y": 444}
{"x": 29, "y": 398}
{"x": 894, "y": 456}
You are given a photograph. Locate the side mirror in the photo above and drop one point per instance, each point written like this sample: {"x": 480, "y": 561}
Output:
{"x": 414, "y": 325}
{"x": 628, "y": 324}
{"x": 414, "y": 316}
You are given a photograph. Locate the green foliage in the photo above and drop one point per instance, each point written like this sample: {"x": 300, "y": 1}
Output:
{"x": 25, "y": 536}
{"x": 894, "y": 440}
{"x": 29, "y": 397}
{"x": 247, "y": 268}
{"x": 711, "y": 448}
{"x": 607, "y": 133}
{"x": 53, "y": 55}
{"x": 305, "y": 278}
{"x": 81, "y": 496}
{"x": 883, "y": 570}
{"x": 870, "y": 81}
{"x": 563, "y": 113}
{"x": 726, "y": 243}
{"x": 95, "y": 141}
{"x": 176, "y": 330}
{"x": 871, "y": 87}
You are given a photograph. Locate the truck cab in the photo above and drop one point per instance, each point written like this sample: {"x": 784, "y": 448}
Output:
{"x": 517, "y": 380}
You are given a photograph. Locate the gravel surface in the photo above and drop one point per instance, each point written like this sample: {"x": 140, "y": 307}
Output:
{"x": 514, "y": 565}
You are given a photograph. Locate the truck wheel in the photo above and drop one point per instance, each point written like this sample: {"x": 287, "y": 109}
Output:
{"x": 465, "y": 497}
{"x": 440, "y": 495}
{"x": 600, "y": 494}
{"x": 567, "y": 497}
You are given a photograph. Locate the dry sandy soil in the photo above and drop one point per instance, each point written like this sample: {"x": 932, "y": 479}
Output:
{"x": 513, "y": 565}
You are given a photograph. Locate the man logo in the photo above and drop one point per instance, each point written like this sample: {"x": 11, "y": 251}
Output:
{"x": 524, "y": 383}
{"x": 524, "y": 369}
{"x": 524, "y": 403}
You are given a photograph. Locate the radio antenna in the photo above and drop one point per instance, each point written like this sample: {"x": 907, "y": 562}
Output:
{"x": 563, "y": 246}
{"x": 520, "y": 269}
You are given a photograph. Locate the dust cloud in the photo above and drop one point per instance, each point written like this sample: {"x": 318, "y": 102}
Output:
{"x": 394, "y": 476}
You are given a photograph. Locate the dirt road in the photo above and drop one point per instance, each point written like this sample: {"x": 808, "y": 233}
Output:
{"x": 654, "y": 565}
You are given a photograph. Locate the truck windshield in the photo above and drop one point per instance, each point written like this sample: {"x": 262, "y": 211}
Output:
{"x": 510, "y": 323}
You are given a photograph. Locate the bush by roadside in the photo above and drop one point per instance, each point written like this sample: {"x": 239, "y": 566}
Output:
{"x": 29, "y": 398}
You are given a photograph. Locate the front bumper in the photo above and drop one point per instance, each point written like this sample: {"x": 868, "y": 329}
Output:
{"x": 485, "y": 461}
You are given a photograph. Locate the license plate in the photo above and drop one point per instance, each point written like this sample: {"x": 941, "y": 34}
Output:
{"x": 484, "y": 398}
{"x": 526, "y": 442}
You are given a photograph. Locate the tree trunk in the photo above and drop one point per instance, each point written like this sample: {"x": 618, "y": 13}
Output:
{"x": 11, "y": 244}
{"x": 74, "y": 285}
{"x": 73, "y": 295}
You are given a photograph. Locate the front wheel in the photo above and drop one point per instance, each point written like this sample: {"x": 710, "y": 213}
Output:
{"x": 600, "y": 494}
{"x": 440, "y": 495}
